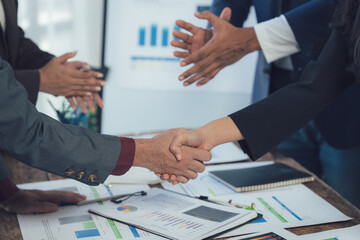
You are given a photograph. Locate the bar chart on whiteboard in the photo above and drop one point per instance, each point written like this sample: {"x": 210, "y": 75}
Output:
{"x": 139, "y": 48}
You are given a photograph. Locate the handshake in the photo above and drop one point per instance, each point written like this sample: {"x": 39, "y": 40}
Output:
{"x": 176, "y": 155}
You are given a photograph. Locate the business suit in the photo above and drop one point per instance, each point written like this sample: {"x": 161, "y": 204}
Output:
{"x": 23, "y": 55}
{"x": 44, "y": 143}
{"x": 327, "y": 142}
{"x": 293, "y": 106}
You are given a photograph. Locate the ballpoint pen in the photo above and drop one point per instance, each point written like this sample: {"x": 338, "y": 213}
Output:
{"x": 229, "y": 202}
{"x": 115, "y": 199}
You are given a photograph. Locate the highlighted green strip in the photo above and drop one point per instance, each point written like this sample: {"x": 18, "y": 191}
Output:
{"x": 96, "y": 194}
{"x": 211, "y": 191}
{"x": 332, "y": 239}
{"x": 114, "y": 228}
{"x": 272, "y": 210}
{"x": 89, "y": 225}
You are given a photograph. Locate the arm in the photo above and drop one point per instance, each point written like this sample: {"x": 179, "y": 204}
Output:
{"x": 76, "y": 152}
{"x": 213, "y": 56}
{"x": 267, "y": 123}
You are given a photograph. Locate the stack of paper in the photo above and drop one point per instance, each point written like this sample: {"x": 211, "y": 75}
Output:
{"x": 176, "y": 216}
{"x": 74, "y": 222}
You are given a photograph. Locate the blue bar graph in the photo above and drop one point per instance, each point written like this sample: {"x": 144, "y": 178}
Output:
{"x": 87, "y": 233}
{"x": 153, "y": 35}
{"x": 134, "y": 232}
{"x": 142, "y": 36}
{"x": 165, "y": 37}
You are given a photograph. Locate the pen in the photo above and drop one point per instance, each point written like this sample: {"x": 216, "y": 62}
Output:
{"x": 101, "y": 199}
{"x": 227, "y": 202}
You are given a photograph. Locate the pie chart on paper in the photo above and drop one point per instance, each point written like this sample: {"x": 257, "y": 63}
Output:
{"x": 127, "y": 209}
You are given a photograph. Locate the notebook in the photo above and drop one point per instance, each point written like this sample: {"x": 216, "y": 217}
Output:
{"x": 259, "y": 178}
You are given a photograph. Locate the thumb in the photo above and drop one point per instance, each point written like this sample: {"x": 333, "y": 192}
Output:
{"x": 175, "y": 147}
{"x": 226, "y": 14}
{"x": 207, "y": 16}
{"x": 63, "y": 58}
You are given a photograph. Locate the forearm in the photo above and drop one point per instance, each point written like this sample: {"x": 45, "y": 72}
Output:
{"x": 267, "y": 123}
{"x": 30, "y": 79}
{"x": 221, "y": 131}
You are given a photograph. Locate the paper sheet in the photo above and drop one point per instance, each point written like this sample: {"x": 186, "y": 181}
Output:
{"x": 350, "y": 233}
{"x": 74, "y": 222}
{"x": 207, "y": 185}
{"x": 135, "y": 175}
{"x": 176, "y": 216}
{"x": 291, "y": 206}
{"x": 272, "y": 233}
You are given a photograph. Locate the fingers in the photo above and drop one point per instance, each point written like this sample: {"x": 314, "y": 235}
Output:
{"x": 90, "y": 104}
{"x": 187, "y": 26}
{"x": 200, "y": 154}
{"x": 200, "y": 71}
{"x": 203, "y": 53}
{"x": 207, "y": 15}
{"x": 79, "y": 65}
{"x": 72, "y": 102}
{"x": 81, "y": 104}
{"x": 65, "y": 57}
{"x": 183, "y": 36}
{"x": 181, "y": 179}
{"x": 176, "y": 147}
{"x": 98, "y": 100}
{"x": 61, "y": 196}
{"x": 208, "y": 77}
{"x": 181, "y": 54}
{"x": 40, "y": 207}
{"x": 226, "y": 14}
{"x": 90, "y": 74}
{"x": 178, "y": 44}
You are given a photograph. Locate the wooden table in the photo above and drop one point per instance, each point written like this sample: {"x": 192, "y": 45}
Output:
{"x": 20, "y": 173}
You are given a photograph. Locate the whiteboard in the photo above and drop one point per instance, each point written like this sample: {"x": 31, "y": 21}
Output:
{"x": 142, "y": 91}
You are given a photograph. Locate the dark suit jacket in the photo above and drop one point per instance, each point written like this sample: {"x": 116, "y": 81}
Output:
{"x": 23, "y": 55}
{"x": 267, "y": 123}
{"x": 309, "y": 22}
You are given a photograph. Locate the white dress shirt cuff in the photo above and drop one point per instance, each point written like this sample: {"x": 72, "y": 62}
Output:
{"x": 276, "y": 38}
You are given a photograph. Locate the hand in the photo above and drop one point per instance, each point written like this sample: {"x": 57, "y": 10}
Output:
{"x": 227, "y": 45}
{"x": 84, "y": 101}
{"x": 199, "y": 38}
{"x": 37, "y": 201}
{"x": 60, "y": 77}
{"x": 207, "y": 137}
{"x": 154, "y": 154}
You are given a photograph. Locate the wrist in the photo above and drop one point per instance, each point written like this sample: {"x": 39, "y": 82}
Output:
{"x": 221, "y": 131}
{"x": 141, "y": 152}
{"x": 251, "y": 42}
{"x": 43, "y": 84}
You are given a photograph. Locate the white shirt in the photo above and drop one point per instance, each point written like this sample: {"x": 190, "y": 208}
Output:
{"x": 277, "y": 41}
{"x": 2, "y": 16}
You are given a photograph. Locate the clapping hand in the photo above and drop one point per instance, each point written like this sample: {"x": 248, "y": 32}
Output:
{"x": 211, "y": 50}
{"x": 61, "y": 77}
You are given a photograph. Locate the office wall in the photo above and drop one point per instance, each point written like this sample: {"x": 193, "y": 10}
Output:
{"x": 61, "y": 26}
{"x": 142, "y": 91}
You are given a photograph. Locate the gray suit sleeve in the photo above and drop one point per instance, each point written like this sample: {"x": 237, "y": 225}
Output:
{"x": 44, "y": 143}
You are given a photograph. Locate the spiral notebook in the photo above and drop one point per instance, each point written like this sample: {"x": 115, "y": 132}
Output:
{"x": 259, "y": 178}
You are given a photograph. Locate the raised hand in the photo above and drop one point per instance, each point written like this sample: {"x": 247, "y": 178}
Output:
{"x": 63, "y": 78}
{"x": 200, "y": 36}
{"x": 226, "y": 46}
{"x": 38, "y": 201}
{"x": 155, "y": 155}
